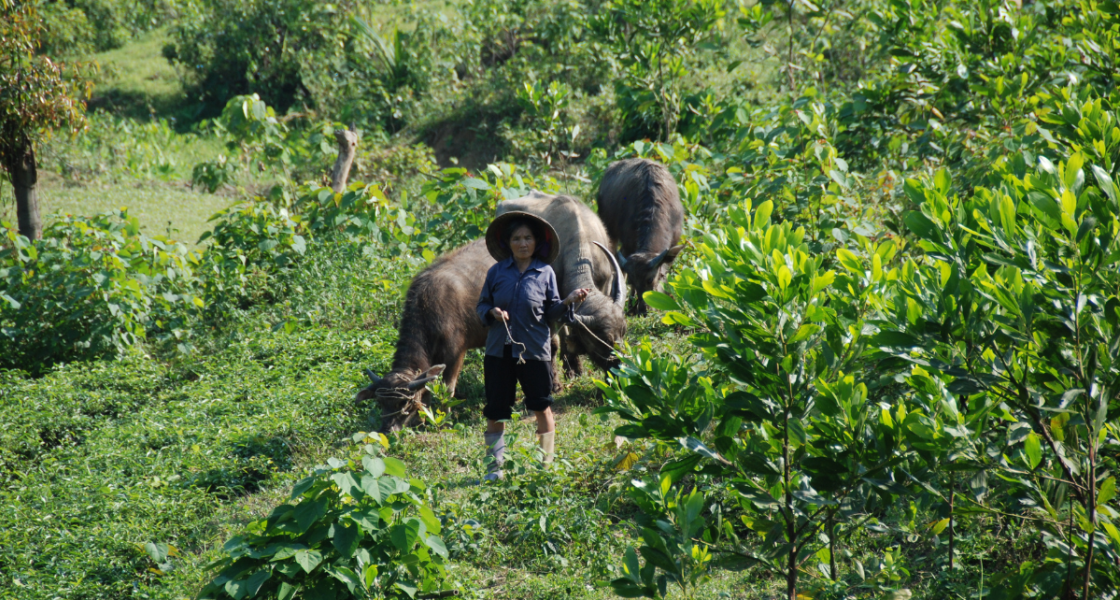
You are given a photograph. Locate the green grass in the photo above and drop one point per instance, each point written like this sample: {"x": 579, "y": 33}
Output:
{"x": 159, "y": 206}
{"x": 135, "y": 81}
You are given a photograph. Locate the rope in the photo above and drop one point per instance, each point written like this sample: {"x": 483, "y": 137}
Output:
{"x": 411, "y": 400}
{"x": 520, "y": 353}
{"x": 592, "y": 334}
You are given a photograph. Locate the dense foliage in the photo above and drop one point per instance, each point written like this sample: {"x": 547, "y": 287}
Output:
{"x": 885, "y": 367}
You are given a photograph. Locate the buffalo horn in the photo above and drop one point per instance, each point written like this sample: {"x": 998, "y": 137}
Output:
{"x": 372, "y": 376}
{"x": 621, "y": 259}
{"x": 423, "y": 380}
{"x": 656, "y": 262}
{"x": 618, "y": 293}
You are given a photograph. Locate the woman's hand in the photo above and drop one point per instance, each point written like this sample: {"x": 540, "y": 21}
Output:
{"x": 499, "y": 314}
{"x": 577, "y": 296}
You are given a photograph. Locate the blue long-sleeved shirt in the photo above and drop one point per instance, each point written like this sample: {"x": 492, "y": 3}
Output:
{"x": 532, "y": 300}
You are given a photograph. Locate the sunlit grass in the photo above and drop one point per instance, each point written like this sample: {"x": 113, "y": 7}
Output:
{"x": 162, "y": 208}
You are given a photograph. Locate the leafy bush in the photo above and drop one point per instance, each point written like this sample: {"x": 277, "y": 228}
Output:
{"x": 121, "y": 149}
{"x": 361, "y": 530}
{"x": 92, "y": 287}
{"x": 232, "y": 47}
{"x": 78, "y": 26}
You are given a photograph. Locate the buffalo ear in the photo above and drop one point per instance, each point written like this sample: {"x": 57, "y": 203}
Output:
{"x": 671, "y": 253}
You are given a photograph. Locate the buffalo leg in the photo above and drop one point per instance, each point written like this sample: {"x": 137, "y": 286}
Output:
{"x": 451, "y": 375}
{"x": 572, "y": 366}
{"x": 554, "y": 344}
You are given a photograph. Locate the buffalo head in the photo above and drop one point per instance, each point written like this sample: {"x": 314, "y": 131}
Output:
{"x": 400, "y": 394}
{"x": 647, "y": 271}
{"x": 601, "y": 320}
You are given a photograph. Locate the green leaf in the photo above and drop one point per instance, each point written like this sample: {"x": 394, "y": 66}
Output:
{"x": 660, "y": 301}
{"x": 822, "y": 281}
{"x": 785, "y": 276}
{"x": 404, "y": 535}
{"x": 922, "y": 226}
{"x": 474, "y": 183}
{"x": 346, "y": 483}
{"x": 374, "y": 466}
{"x": 307, "y": 513}
{"x": 1106, "y": 184}
{"x": 849, "y": 261}
{"x": 394, "y": 467}
{"x": 304, "y": 484}
{"x": 11, "y": 301}
{"x": 308, "y": 559}
{"x": 436, "y": 544}
{"x": 804, "y": 332}
{"x": 254, "y": 583}
{"x": 1033, "y": 449}
{"x": 1107, "y": 491}
{"x": 372, "y": 487}
{"x": 762, "y": 215}
{"x": 287, "y": 591}
{"x": 407, "y": 587}
{"x": 346, "y": 539}
{"x": 158, "y": 552}
{"x": 430, "y": 520}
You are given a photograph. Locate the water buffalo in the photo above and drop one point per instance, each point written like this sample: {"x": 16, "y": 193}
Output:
{"x": 437, "y": 327}
{"x": 641, "y": 209}
{"x": 601, "y": 319}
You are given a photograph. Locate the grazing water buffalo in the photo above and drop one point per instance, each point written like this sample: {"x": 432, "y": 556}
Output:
{"x": 641, "y": 208}
{"x": 584, "y": 262}
{"x": 437, "y": 327}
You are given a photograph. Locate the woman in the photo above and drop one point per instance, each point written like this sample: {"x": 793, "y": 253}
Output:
{"x": 518, "y": 300}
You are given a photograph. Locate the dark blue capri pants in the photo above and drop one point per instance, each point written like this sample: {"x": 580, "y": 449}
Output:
{"x": 502, "y": 376}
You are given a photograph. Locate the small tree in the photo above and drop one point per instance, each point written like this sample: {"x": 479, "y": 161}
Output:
{"x": 652, "y": 39}
{"x": 35, "y": 99}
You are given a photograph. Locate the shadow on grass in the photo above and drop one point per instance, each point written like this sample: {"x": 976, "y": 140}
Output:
{"x": 140, "y": 106}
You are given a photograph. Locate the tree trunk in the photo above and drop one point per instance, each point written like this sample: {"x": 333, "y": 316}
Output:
{"x": 347, "y": 143}
{"x": 25, "y": 180}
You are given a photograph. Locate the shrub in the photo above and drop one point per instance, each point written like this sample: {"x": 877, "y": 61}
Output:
{"x": 91, "y": 287}
{"x": 355, "y": 526}
{"x": 233, "y": 47}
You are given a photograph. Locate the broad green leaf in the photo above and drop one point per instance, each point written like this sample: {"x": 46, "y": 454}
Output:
{"x": 804, "y": 332}
{"x": 407, "y": 587}
{"x": 660, "y": 301}
{"x": 922, "y": 226}
{"x": 849, "y": 261}
{"x": 940, "y": 526}
{"x": 394, "y": 467}
{"x": 254, "y": 583}
{"x": 822, "y": 281}
{"x": 158, "y": 552}
{"x": 404, "y": 535}
{"x": 1033, "y": 449}
{"x": 346, "y": 539}
{"x": 1106, "y": 184}
{"x": 304, "y": 484}
{"x": 308, "y": 559}
{"x": 308, "y": 512}
{"x": 374, "y": 466}
{"x": 287, "y": 591}
{"x": 762, "y": 215}
{"x": 430, "y": 520}
{"x": 784, "y": 277}
{"x": 436, "y": 544}
{"x": 1107, "y": 491}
